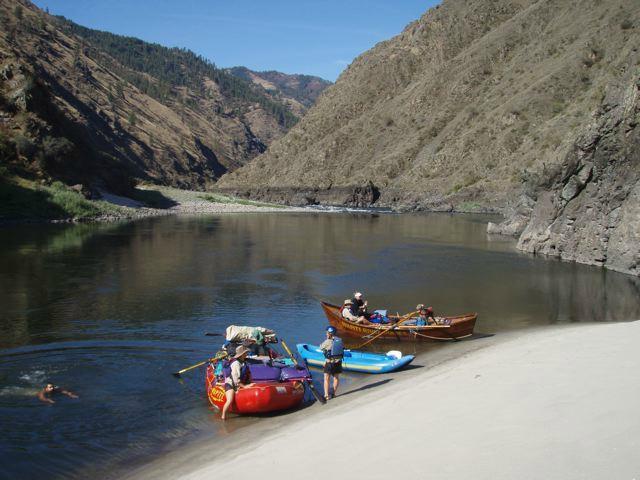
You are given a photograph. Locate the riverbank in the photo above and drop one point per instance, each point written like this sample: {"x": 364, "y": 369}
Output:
{"x": 151, "y": 201}
{"x": 24, "y": 201}
{"x": 557, "y": 402}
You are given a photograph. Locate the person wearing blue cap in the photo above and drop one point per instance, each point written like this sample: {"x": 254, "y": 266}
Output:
{"x": 333, "y": 350}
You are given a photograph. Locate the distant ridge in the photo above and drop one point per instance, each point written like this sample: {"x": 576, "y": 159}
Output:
{"x": 298, "y": 91}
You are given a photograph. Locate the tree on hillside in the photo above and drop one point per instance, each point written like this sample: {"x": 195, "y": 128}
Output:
{"x": 18, "y": 12}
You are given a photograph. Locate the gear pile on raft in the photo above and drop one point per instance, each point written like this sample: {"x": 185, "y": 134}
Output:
{"x": 262, "y": 381}
{"x": 249, "y": 375}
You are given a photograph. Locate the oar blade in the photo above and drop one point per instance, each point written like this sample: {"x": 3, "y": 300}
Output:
{"x": 315, "y": 393}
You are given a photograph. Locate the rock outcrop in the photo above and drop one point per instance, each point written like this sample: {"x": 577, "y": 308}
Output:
{"x": 590, "y": 210}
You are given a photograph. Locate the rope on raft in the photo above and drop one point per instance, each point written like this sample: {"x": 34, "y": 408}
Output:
{"x": 415, "y": 333}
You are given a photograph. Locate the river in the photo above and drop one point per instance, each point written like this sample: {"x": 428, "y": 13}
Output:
{"x": 110, "y": 310}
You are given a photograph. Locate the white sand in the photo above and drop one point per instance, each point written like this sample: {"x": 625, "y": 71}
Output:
{"x": 559, "y": 403}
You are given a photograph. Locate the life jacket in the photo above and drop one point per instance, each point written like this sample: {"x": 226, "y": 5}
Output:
{"x": 337, "y": 349}
{"x": 226, "y": 371}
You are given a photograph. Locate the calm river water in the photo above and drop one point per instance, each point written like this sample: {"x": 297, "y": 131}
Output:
{"x": 109, "y": 311}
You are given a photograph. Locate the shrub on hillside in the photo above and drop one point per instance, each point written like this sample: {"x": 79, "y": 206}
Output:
{"x": 24, "y": 146}
{"x": 53, "y": 151}
{"x": 72, "y": 202}
{"x": 7, "y": 149}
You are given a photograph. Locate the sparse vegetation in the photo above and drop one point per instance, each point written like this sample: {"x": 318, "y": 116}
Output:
{"x": 217, "y": 198}
{"x": 21, "y": 199}
{"x": 18, "y": 12}
{"x": 54, "y": 151}
{"x": 25, "y": 146}
{"x": 469, "y": 207}
{"x": 132, "y": 119}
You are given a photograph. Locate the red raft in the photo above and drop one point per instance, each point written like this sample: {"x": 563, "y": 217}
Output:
{"x": 258, "y": 397}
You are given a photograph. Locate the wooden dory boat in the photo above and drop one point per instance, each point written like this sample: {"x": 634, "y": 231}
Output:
{"x": 356, "y": 361}
{"x": 457, "y": 327}
{"x": 258, "y": 397}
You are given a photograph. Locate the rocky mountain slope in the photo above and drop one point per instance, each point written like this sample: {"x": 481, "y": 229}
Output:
{"x": 527, "y": 107}
{"x": 298, "y": 92}
{"x": 103, "y": 110}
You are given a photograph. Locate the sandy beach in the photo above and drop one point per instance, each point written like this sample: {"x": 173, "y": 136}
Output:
{"x": 553, "y": 403}
{"x": 185, "y": 202}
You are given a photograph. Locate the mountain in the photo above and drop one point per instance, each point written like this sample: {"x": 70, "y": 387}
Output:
{"x": 103, "y": 110}
{"x": 524, "y": 107}
{"x": 298, "y": 92}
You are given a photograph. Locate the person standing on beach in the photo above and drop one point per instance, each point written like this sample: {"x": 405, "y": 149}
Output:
{"x": 236, "y": 377}
{"x": 333, "y": 350}
{"x": 50, "y": 390}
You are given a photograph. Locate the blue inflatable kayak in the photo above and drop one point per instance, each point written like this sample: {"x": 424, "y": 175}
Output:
{"x": 357, "y": 361}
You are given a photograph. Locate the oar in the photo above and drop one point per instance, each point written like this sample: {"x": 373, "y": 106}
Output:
{"x": 210, "y": 334}
{"x": 402, "y": 319}
{"x": 180, "y": 372}
{"x": 314, "y": 392}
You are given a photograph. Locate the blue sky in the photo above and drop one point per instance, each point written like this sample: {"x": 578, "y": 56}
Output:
{"x": 317, "y": 37}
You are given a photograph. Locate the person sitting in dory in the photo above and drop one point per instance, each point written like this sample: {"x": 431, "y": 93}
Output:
{"x": 359, "y": 306}
{"x": 50, "y": 390}
{"x": 347, "y": 312}
{"x": 425, "y": 314}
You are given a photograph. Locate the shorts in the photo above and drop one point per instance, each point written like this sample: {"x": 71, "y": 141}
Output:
{"x": 333, "y": 368}
{"x": 228, "y": 387}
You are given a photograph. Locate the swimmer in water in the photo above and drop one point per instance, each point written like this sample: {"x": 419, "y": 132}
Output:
{"x": 50, "y": 390}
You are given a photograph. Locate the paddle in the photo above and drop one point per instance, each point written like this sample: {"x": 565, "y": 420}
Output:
{"x": 402, "y": 319}
{"x": 218, "y": 356}
{"x": 314, "y": 392}
{"x": 210, "y": 334}
{"x": 180, "y": 372}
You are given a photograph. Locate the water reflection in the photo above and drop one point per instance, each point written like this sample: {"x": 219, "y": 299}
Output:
{"x": 111, "y": 310}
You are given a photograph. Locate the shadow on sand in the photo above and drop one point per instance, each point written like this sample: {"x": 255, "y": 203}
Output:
{"x": 367, "y": 387}
{"x": 153, "y": 198}
{"x": 478, "y": 336}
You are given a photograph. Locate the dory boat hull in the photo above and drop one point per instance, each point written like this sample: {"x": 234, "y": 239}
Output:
{"x": 258, "y": 397}
{"x": 356, "y": 361}
{"x": 457, "y": 327}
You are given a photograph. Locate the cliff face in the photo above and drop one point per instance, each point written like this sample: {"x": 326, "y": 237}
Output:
{"x": 517, "y": 106}
{"x": 589, "y": 209}
{"x": 104, "y": 110}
